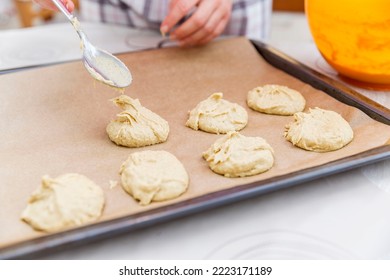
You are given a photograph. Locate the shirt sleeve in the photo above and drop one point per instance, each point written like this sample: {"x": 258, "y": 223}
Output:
{"x": 250, "y": 18}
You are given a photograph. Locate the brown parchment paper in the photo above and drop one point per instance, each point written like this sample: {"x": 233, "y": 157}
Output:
{"x": 53, "y": 121}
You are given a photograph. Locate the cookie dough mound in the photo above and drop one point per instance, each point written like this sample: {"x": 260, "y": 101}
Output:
{"x": 276, "y": 100}
{"x": 235, "y": 155}
{"x": 319, "y": 130}
{"x": 66, "y": 201}
{"x": 216, "y": 115}
{"x": 153, "y": 176}
{"x": 136, "y": 126}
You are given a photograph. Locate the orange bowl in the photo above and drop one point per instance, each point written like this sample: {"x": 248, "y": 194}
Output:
{"x": 354, "y": 38}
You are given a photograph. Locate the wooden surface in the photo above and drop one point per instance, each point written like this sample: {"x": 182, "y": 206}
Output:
{"x": 289, "y": 5}
{"x": 29, "y": 13}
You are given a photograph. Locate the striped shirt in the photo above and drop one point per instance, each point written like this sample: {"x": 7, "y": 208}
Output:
{"x": 249, "y": 18}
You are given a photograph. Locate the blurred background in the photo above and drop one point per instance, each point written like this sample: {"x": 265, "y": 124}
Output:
{"x": 288, "y": 20}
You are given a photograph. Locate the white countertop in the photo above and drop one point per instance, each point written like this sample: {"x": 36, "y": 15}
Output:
{"x": 344, "y": 216}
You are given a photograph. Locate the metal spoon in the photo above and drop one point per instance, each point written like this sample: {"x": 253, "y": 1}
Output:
{"x": 102, "y": 65}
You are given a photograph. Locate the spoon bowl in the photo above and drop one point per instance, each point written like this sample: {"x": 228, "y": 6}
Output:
{"x": 102, "y": 65}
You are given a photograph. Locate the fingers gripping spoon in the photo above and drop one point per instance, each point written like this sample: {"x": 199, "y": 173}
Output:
{"x": 102, "y": 65}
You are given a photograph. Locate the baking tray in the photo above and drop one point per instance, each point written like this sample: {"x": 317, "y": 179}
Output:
{"x": 234, "y": 56}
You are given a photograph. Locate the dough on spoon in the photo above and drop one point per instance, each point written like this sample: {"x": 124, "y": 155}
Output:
{"x": 153, "y": 176}
{"x": 319, "y": 131}
{"x": 235, "y": 155}
{"x": 276, "y": 100}
{"x": 216, "y": 115}
{"x": 136, "y": 126}
{"x": 66, "y": 201}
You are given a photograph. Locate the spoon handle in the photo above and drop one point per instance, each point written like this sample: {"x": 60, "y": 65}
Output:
{"x": 63, "y": 9}
{"x": 73, "y": 20}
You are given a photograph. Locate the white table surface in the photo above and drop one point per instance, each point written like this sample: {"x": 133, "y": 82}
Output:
{"x": 344, "y": 216}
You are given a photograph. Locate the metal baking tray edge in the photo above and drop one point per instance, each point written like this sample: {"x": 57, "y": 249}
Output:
{"x": 80, "y": 236}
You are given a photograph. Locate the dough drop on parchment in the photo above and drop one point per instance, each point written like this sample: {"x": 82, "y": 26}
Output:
{"x": 235, "y": 155}
{"x": 153, "y": 176}
{"x": 66, "y": 201}
{"x": 276, "y": 100}
{"x": 216, "y": 115}
{"x": 136, "y": 126}
{"x": 319, "y": 131}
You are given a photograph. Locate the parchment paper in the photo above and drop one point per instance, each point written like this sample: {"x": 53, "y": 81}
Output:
{"x": 53, "y": 121}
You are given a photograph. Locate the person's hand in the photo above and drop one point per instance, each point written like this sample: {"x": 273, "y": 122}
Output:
{"x": 208, "y": 19}
{"x": 48, "y": 4}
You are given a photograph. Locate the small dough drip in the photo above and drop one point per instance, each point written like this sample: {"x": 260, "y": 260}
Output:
{"x": 216, "y": 115}
{"x": 136, "y": 126}
{"x": 235, "y": 155}
{"x": 66, "y": 201}
{"x": 153, "y": 176}
{"x": 276, "y": 100}
{"x": 319, "y": 131}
